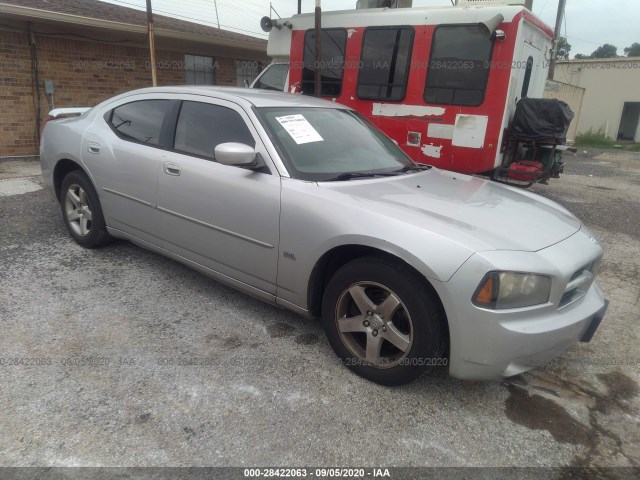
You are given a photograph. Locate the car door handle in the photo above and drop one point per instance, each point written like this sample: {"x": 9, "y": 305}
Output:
{"x": 93, "y": 148}
{"x": 171, "y": 168}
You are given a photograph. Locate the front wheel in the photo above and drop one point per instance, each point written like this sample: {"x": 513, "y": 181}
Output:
{"x": 81, "y": 210}
{"x": 383, "y": 321}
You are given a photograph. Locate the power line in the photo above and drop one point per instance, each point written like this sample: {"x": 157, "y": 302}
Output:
{"x": 194, "y": 20}
{"x": 587, "y": 41}
{"x": 215, "y": 5}
{"x": 195, "y": 8}
{"x": 253, "y": 19}
{"x": 229, "y": 4}
{"x": 542, "y": 9}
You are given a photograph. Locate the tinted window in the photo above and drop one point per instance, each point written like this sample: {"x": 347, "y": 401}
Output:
{"x": 274, "y": 77}
{"x": 527, "y": 78}
{"x": 199, "y": 70}
{"x": 333, "y": 43}
{"x": 202, "y": 126}
{"x": 140, "y": 121}
{"x": 386, "y": 53}
{"x": 459, "y": 65}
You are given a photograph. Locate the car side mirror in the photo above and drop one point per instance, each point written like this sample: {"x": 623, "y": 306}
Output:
{"x": 238, "y": 155}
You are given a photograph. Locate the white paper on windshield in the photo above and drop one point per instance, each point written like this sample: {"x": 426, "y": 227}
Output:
{"x": 300, "y": 129}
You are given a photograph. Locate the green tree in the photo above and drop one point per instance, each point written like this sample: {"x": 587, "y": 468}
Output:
{"x": 564, "y": 48}
{"x": 580, "y": 56}
{"x": 633, "y": 50}
{"x": 605, "y": 51}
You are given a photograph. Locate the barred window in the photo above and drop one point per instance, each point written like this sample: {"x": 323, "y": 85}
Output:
{"x": 246, "y": 72}
{"x": 199, "y": 70}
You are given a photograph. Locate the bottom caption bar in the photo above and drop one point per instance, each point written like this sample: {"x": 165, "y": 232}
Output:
{"x": 395, "y": 473}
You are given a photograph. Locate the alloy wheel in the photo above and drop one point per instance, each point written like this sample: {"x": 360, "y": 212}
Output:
{"x": 374, "y": 324}
{"x": 78, "y": 210}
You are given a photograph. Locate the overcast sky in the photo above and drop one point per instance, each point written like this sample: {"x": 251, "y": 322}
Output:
{"x": 588, "y": 23}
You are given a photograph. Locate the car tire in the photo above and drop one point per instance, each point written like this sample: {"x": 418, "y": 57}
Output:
{"x": 377, "y": 306}
{"x": 81, "y": 210}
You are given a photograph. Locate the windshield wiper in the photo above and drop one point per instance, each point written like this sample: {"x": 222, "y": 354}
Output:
{"x": 350, "y": 175}
{"x": 420, "y": 167}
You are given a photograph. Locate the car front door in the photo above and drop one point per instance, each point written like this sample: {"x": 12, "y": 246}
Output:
{"x": 225, "y": 218}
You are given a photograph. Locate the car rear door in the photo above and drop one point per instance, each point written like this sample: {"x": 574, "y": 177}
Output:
{"x": 123, "y": 152}
{"x": 225, "y": 218}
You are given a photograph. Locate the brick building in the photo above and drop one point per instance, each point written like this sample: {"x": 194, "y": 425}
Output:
{"x": 87, "y": 51}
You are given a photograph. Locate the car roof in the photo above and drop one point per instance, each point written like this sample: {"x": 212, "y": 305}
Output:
{"x": 247, "y": 96}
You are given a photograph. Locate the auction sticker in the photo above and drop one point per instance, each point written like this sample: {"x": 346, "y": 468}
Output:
{"x": 300, "y": 129}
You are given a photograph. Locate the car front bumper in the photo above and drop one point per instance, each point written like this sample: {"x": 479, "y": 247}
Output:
{"x": 491, "y": 344}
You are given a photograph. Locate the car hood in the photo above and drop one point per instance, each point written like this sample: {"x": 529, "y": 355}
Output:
{"x": 479, "y": 213}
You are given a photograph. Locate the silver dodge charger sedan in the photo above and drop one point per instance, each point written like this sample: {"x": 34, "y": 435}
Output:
{"x": 303, "y": 203}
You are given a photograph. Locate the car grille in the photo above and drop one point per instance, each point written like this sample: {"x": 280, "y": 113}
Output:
{"x": 579, "y": 284}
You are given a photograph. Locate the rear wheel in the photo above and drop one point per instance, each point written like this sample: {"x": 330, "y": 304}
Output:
{"x": 383, "y": 322}
{"x": 81, "y": 210}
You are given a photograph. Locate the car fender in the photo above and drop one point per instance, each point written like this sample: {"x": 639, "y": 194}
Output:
{"x": 62, "y": 140}
{"x": 336, "y": 224}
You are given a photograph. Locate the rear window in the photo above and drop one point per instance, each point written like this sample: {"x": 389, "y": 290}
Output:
{"x": 458, "y": 69}
{"x": 140, "y": 121}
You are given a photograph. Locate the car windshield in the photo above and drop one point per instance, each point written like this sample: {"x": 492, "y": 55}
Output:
{"x": 325, "y": 144}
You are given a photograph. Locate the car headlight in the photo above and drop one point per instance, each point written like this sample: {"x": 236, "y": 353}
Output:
{"x": 501, "y": 290}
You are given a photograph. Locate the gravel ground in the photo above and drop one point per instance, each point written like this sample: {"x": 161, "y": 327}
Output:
{"x": 101, "y": 338}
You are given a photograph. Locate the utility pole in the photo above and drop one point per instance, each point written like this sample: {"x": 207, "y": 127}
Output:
{"x": 215, "y": 5}
{"x": 152, "y": 48}
{"x": 556, "y": 36}
{"x": 318, "y": 70}
{"x": 299, "y": 7}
